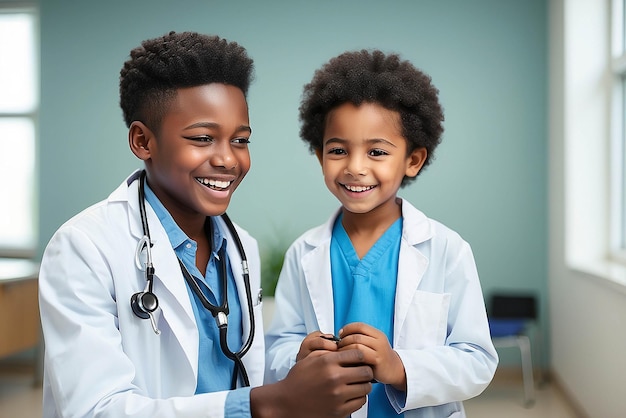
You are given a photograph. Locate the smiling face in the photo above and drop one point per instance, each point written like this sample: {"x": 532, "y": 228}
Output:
{"x": 200, "y": 153}
{"x": 364, "y": 158}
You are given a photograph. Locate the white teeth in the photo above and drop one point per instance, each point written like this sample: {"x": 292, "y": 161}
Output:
{"x": 358, "y": 188}
{"x": 215, "y": 184}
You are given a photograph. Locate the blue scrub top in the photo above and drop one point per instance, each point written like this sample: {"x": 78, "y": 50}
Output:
{"x": 364, "y": 291}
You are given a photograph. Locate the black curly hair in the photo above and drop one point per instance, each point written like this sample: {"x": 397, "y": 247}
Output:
{"x": 160, "y": 66}
{"x": 371, "y": 76}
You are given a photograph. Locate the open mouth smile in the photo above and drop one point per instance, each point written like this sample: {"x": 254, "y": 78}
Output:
{"x": 214, "y": 184}
{"x": 357, "y": 189}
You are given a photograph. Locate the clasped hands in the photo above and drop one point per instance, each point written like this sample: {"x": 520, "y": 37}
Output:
{"x": 386, "y": 365}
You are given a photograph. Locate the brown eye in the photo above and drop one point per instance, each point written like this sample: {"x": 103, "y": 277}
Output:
{"x": 241, "y": 141}
{"x": 336, "y": 151}
{"x": 378, "y": 153}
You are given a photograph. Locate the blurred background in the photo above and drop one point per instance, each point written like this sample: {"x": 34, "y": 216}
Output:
{"x": 530, "y": 171}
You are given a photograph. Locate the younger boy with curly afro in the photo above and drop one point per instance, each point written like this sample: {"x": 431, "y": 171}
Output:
{"x": 380, "y": 275}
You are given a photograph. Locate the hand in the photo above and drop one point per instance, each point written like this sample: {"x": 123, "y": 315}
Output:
{"x": 315, "y": 341}
{"x": 386, "y": 364}
{"x": 331, "y": 385}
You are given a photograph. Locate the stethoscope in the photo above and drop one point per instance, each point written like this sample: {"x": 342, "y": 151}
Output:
{"x": 145, "y": 303}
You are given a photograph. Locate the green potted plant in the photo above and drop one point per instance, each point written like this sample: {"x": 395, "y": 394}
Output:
{"x": 272, "y": 257}
{"x": 272, "y": 252}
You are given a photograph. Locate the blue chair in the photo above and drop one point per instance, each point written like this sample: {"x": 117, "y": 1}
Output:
{"x": 511, "y": 318}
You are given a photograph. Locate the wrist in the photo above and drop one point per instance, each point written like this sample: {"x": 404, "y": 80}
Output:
{"x": 264, "y": 401}
{"x": 400, "y": 382}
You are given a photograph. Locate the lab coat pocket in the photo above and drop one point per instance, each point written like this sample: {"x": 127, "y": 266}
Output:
{"x": 426, "y": 322}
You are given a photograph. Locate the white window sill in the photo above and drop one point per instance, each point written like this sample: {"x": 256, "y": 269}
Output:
{"x": 608, "y": 273}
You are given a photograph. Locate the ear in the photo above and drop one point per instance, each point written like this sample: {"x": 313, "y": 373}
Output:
{"x": 415, "y": 161}
{"x": 139, "y": 139}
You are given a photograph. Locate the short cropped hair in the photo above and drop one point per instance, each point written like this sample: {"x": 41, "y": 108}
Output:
{"x": 160, "y": 66}
{"x": 371, "y": 76}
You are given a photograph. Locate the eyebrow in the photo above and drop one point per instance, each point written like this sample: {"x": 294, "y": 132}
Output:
{"x": 214, "y": 125}
{"x": 371, "y": 141}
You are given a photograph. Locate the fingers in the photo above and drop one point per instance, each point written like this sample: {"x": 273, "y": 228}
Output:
{"x": 315, "y": 341}
{"x": 352, "y": 407}
{"x": 347, "y": 366}
{"x": 350, "y": 357}
{"x": 333, "y": 384}
{"x": 377, "y": 352}
{"x": 359, "y": 328}
{"x": 325, "y": 342}
{"x": 357, "y": 340}
{"x": 330, "y": 337}
{"x": 315, "y": 353}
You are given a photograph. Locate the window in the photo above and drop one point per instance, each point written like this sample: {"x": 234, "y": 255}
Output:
{"x": 19, "y": 101}
{"x": 588, "y": 143}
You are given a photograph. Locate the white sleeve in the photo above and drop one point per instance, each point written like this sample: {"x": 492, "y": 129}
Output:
{"x": 87, "y": 372}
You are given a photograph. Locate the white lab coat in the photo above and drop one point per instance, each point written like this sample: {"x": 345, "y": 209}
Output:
{"x": 100, "y": 359}
{"x": 440, "y": 324}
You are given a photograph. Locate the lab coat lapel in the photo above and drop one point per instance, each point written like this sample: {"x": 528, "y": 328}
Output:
{"x": 316, "y": 267}
{"x": 411, "y": 268}
{"x": 412, "y": 264}
{"x": 317, "y": 274}
{"x": 169, "y": 285}
{"x": 171, "y": 289}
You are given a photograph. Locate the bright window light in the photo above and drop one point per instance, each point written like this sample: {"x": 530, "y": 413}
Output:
{"x": 17, "y": 142}
{"x": 19, "y": 101}
{"x": 17, "y": 66}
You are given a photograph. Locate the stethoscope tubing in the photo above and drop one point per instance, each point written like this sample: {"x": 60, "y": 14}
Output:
{"x": 220, "y": 313}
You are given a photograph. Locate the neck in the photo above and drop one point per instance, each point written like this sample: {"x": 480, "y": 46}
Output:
{"x": 370, "y": 222}
{"x": 364, "y": 229}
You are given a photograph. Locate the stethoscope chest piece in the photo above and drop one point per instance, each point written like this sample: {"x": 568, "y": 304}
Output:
{"x": 144, "y": 303}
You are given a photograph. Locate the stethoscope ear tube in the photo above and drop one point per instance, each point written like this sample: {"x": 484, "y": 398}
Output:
{"x": 246, "y": 279}
{"x": 144, "y": 242}
{"x": 145, "y": 303}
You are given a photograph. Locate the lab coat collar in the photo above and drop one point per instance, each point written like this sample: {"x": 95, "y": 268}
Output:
{"x": 128, "y": 192}
{"x": 416, "y": 227}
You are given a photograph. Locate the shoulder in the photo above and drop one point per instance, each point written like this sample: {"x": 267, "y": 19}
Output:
{"x": 103, "y": 218}
{"x": 419, "y": 229}
{"x": 319, "y": 235}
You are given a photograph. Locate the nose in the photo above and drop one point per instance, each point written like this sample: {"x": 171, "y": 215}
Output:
{"x": 356, "y": 166}
{"x": 222, "y": 155}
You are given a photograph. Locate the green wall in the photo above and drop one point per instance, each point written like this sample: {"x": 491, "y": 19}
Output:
{"x": 487, "y": 57}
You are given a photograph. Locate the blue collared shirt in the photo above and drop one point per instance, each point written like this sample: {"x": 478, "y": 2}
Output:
{"x": 214, "y": 368}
